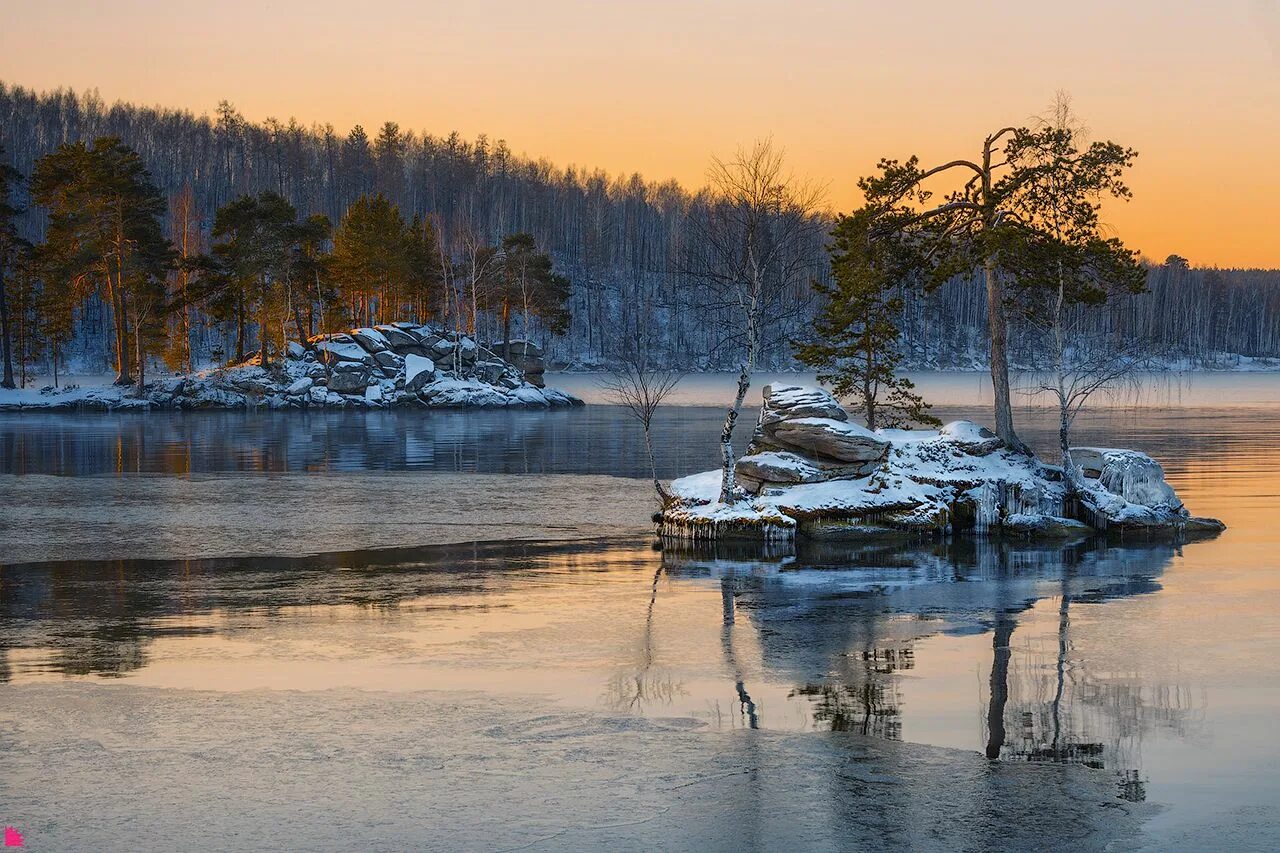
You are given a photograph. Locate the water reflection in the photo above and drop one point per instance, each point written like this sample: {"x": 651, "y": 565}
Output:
{"x": 846, "y": 626}
{"x": 829, "y": 638}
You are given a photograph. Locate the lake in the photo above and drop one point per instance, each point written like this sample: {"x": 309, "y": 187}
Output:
{"x": 449, "y": 630}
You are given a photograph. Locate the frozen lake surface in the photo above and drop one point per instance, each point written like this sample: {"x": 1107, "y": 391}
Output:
{"x": 225, "y": 631}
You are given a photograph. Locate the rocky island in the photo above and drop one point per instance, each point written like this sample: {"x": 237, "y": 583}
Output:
{"x": 811, "y": 473}
{"x": 393, "y": 365}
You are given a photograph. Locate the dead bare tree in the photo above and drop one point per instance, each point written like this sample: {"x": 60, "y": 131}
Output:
{"x": 640, "y": 389}
{"x": 757, "y": 229}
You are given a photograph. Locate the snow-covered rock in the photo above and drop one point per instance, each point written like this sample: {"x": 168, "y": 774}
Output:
{"x": 971, "y": 438}
{"x": 1134, "y": 476}
{"x": 917, "y": 483}
{"x": 770, "y": 468}
{"x": 370, "y": 368}
{"x": 372, "y": 340}
{"x": 828, "y": 437}
{"x": 786, "y": 402}
{"x": 418, "y": 372}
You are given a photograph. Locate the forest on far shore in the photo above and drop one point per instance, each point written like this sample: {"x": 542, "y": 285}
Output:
{"x": 626, "y": 248}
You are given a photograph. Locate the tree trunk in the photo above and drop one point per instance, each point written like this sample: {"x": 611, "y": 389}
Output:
{"x": 264, "y": 330}
{"x": 998, "y": 330}
{"x": 506, "y": 331}
{"x": 727, "y": 478}
{"x": 6, "y": 347}
{"x": 664, "y": 497}
{"x": 125, "y": 375}
{"x": 240, "y": 330}
{"x": 140, "y": 357}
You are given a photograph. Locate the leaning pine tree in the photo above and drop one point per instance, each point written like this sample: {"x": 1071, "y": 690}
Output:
{"x": 855, "y": 345}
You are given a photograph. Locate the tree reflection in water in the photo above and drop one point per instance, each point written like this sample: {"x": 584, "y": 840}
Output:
{"x": 845, "y": 622}
{"x": 832, "y": 630}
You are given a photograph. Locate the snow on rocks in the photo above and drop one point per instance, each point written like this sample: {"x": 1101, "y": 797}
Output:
{"x": 786, "y": 402}
{"x": 830, "y": 438}
{"x": 972, "y": 438}
{"x": 372, "y": 367}
{"x": 821, "y": 477}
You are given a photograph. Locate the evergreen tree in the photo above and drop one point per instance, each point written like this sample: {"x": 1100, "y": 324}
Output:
{"x": 26, "y": 314}
{"x": 10, "y": 246}
{"x": 425, "y": 276}
{"x": 855, "y": 347}
{"x": 105, "y": 229}
{"x": 257, "y": 239}
{"x": 370, "y": 259}
{"x": 972, "y": 228}
{"x": 312, "y": 273}
{"x": 527, "y": 281}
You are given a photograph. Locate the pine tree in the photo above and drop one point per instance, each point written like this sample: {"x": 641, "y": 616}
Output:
{"x": 257, "y": 239}
{"x": 528, "y": 281}
{"x": 104, "y": 229}
{"x": 425, "y": 276}
{"x": 370, "y": 259}
{"x": 855, "y": 348}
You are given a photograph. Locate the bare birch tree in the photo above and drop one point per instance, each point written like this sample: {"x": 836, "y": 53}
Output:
{"x": 757, "y": 229}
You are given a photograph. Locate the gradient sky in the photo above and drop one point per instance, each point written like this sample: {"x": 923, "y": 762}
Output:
{"x": 657, "y": 87}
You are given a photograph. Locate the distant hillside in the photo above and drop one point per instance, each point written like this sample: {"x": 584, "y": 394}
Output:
{"x": 614, "y": 237}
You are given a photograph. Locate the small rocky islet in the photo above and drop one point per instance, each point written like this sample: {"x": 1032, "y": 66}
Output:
{"x": 809, "y": 473}
{"x": 388, "y": 366}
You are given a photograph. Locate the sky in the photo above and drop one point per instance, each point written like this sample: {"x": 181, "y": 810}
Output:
{"x": 658, "y": 87}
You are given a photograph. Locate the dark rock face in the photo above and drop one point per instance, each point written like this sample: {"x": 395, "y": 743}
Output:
{"x": 349, "y": 380}
{"x": 527, "y": 356}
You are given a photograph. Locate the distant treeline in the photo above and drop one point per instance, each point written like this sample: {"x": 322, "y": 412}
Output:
{"x": 619, "y": 240}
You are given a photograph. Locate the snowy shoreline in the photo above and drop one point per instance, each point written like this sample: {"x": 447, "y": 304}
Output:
{"x": 400, "y": 365}
{"x": 810, "y": 473}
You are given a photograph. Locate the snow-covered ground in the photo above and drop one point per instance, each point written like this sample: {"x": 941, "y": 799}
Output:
{"x": 396, "y": 365}
{"x": 823, "y": 477}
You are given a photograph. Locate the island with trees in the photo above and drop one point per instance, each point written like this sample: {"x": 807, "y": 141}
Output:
{"x": 1024, "y": 220}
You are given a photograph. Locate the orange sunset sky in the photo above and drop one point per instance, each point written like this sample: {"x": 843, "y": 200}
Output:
{"x": 657, "y": 87}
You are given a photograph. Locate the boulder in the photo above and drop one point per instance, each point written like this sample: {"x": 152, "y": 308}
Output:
{"x": 1132, "y": 475}
{"x": 333, "y": 349}
{"x": 828, "y": 437}
{"x": 442, "y": 349}
{"x": 530, "y": 396}
{"x": 788, "y": 402}
{"x": 372, "y": 340}
{"x": 768, "y": 468}
{"x": 490, "y": 371}
{"x": 295, "y": 350}
{"x": 389, "y": 360}
{"x": 299, "y": 386}
{"x": 349, "y": 379}
{"x": 418, "y": 372}
{"x": 398, "y": 339}
{"x": 971, "y": 438}
{"x": 1045, "y": 526}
